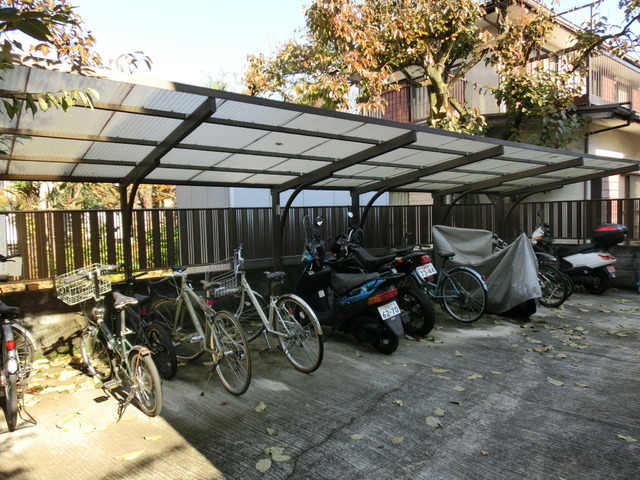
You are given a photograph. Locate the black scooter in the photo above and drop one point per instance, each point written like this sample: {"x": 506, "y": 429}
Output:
{"x": 360, "y": 304}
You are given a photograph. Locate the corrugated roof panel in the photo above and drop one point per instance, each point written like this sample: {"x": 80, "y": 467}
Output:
{"x": 300, "y": 166}
{"x": 223, "y": 136}
{"x": 170, "y": 175}
{"x": 374, "y": 131}
{"x": 49, "y": 169}
{"x": 520, "y": 153}
{"x": 258, "y": 114}
{"x": 498, "y": 166}
{"x": 285, "y": 143}
{"x": 83, "y": 121}
{"x": 117, "y": 152}
{"x": 250, "y": 162}
{"x": 261, "y": 179}
{"x": 142, "y": 127}
{"x": 337, "y": 149}
{"x": 417, "y": 158}
{"x": 160, "y": 99}
{"x": 50, "y": 147}
{"x": 101, "y": 171}
{"x": 325, "y": 123}
{"x": 3, "y": 166}
{"x": 229, "y": 178}
{"x": 185, "y": 156}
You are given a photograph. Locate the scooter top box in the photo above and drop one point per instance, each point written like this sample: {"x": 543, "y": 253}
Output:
{"x": 609, "y": 234}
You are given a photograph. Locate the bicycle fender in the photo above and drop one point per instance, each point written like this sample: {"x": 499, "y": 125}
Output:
{"x": 314, "y": 319}
{"x": 472, "y": 272}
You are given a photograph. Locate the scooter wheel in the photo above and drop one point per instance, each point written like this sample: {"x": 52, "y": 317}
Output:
{"x": 601, "y": 282}
{"x": 422, "y": 315}
{"x": 386, "y": 342}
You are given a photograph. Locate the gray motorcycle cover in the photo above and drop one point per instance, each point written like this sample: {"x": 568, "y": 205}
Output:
{"x": 511, "y": 274}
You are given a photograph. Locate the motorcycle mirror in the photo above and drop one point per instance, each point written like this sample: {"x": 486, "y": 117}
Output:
{"x": 319, "y": 220}
{"x": 350, "y": 214}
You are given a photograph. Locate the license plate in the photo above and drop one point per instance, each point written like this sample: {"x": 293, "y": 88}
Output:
{"x": 427, "y": 270}
{"x": 389, "y": 310}
{"x": 612, "y": 270}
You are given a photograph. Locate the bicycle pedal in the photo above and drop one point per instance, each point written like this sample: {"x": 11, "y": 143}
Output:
{"x": 111, "y": 384}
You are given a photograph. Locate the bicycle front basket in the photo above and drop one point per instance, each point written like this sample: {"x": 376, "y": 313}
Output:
{"x": 222, "y": 272}
{"x": 77, "y": 285}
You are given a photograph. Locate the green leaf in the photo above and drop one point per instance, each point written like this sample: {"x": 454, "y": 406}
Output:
{"x": 34, "y": 28}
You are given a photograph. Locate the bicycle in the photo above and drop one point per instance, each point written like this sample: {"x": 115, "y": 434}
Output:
{"x": 18, "y": 350}
{"x": 460, "y": 289}
{"x": 288, "y": 317}
{"x": 111, "y": 357}
{"x": 222, "y": 335}
{"x": 149, "y": 332}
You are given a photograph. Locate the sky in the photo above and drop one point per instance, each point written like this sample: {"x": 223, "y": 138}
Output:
{"x": 200, "y": 39}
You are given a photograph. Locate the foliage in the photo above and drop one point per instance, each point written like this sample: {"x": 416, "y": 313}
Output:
{"x": 368, "y": 42}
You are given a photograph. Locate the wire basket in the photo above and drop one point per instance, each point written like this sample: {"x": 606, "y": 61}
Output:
{"x": 77, "y": 286}
{"x": 222, "y": 272}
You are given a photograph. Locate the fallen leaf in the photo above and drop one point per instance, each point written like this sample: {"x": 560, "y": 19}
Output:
{"x": 581, "y": 385}
{"x": 444, "y": 377}
{"x": 397, "y": 440}
{"x": 555, "y": 382}
{"x": 399, "y": 403}
{"x": 456, "y": 402}
{"x": 280, "y": 458}
{"x": 261, "y": 407}
{"x": 263, "y": 465}
{"x": 153, "y": 438}
{"x": 357, "y": 436}
{"x": 358, "y": 354}
{"x": 533, "y": 340}
{"x": 627, "y": 438}
{"x": 387, "y": 362}
{"x": 459, "y": 388}
{"x": 458, "y": 354}
{"x": 474, "y": 376}
{"x": 130, "y": 456}
{"x": 272, "y": 431}
{"x": 433, "y": 422}
{"x": 530, "y": 362}
{"x": 439, "y": 412}
{"x": 439, "y": 370}
{"x": 485, "y": 453}
{"x": 496, "y": 372}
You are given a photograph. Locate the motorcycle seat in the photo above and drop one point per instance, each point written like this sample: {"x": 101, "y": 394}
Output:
{"x": 371, "y": 262}
{"x": 573, "y": 249}
{"x": 4, "y": 308}
{"x": 344, "y": 282}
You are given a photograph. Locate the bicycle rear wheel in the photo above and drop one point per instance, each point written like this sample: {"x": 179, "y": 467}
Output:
{"x": 145, "y": 381}
{"x": 553, "y": 286}
{"x": 26, "y": 349}
{"x": 231, "y": 352}
{"x": 187, "y": 343}
{"x": 464, "y": 295}
{"x": 241, "y": 307}
{"x": 95, "y": 353}
{"x": 10, "y": 395}
{"x": 161, "y": 346}
{"x": 297, "y": 331}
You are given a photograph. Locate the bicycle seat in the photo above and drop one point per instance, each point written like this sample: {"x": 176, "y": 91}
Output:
{"x": 275, "y": 276}
{"x": 142, "y": 299}
{"x": 4, "y": 308}
{"x": 120, "y": 301}
{"x": 209, "y": 285}
{"x": 446, "y": 255}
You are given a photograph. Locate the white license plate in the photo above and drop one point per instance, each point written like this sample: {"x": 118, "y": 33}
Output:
{"x": 612, "y": 270}
{"x": 427, "y": 270}
{"x": 389, "y": 310}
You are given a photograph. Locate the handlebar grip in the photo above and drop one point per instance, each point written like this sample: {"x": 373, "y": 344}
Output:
{"x": 4, "y": 258}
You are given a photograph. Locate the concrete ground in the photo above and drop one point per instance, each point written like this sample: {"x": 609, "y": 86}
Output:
{"x": 553, "y": 398}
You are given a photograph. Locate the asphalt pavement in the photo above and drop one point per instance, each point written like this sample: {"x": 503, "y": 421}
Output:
{"x": 555, "y": 397}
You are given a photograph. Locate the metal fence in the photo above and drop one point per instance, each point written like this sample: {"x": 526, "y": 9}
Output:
{"x": 55, "y": 242}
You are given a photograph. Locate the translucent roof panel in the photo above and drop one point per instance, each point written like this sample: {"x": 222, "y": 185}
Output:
{"x": 188, "y": 135}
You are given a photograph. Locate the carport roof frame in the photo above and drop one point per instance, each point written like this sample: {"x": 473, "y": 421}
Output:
{"x": 137, "y": 132}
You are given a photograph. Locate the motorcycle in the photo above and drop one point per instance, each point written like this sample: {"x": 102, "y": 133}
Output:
{"x": 590, "y": 265}
{"x": 360, "y": 304}
{"x": 412, "y": 295}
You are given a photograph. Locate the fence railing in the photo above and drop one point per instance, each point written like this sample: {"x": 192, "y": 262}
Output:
{"x": 55, "y": 242}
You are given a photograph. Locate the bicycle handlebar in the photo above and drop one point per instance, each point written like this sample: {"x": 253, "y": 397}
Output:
{"x": 4, "y": 258}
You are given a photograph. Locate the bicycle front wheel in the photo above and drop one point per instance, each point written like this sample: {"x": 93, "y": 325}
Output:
{"x": 11, "y": 399}
{"x": 553, "y": 286}
{"x": 95, "y": 353}
{"x": 184, "y": 336}
{"x": 145, "y": 381}
{"x": 230, "y": 352}
{"x": 464, "y": 295}
{"x": 299, "y": 333}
